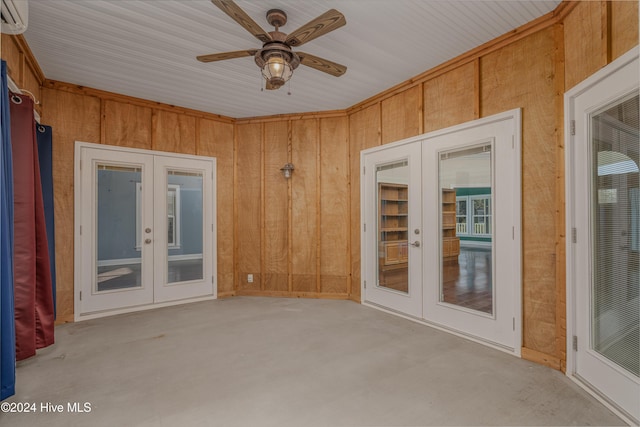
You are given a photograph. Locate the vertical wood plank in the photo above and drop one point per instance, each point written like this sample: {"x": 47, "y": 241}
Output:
{"x": 215, "y": 139}
{"x": 449, "y": 99}
{"x": 31, "y": 83}
{"x": 334, "y": 214}
{"x": 401, "y": 115}
{"x": 522, "y": 75}
{"x": 624, "y": 27}
{"x": 173, "y": 132}
{"x": 263, "y": 244}
{"x": 12, "y": 55}
{"x": 605, "y": 48}
{"x": 127, "y": 125}
{"x": 318, "y": 209}
{"x": 73, "y": 118}
{"x": 248, "y": 215}
{"x": 477, "y": 90}
{"x": 421, "y": 111}
{"x": 364, "y": 132}
{"x": 276, "y": 219}
{"x": 304, "y": 145}
{"x": 583, "y": 42}
{"x": 290, "y": 210}
{"x": 561, "y": 298}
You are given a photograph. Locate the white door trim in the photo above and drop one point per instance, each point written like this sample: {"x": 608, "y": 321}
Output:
{"x": 570, "y": 214}
{"x": 80, "y": 257}
{"x": 515, "y": 116}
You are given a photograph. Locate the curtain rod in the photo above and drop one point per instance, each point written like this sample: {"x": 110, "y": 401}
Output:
{"x": 13, "y": 87}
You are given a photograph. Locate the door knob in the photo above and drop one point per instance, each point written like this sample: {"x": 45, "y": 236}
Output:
{"x": 147, "y": 241}
{"x": 415, "y": 244}
{"x": 147, "y": 230}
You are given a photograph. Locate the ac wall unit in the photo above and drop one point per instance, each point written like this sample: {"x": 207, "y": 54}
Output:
{"x": 15, "y": 14}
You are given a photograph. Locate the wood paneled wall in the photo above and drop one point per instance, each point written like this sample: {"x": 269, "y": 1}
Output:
{"x": 215, "y": 138}
{"x": 301, "y": 237}
{"x": 22, "y": 66}
{"x": 510, "y": 78}
{"x": 82, "y": 114}
{"x": 294, "y": 235}
{"x": 72, "y": 117}
{"x": 364, "y": 132}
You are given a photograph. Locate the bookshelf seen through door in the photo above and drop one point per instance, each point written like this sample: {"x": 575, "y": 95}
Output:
{"x": 393, "y": 236}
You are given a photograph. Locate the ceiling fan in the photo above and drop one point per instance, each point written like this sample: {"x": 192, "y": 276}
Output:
{"x": 276, "y": 59}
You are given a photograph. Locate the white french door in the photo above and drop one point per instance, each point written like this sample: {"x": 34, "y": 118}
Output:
{"x": 392, "y": 239}
{"x": 441, "y": 229}
{"x": 144, "y": 229}
{"x": 472, "y": 226}
{"x": 603, "y": 218}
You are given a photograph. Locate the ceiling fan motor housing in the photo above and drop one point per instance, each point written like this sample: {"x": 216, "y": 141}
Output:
{"x": 276, "y": 48}
{"x": 276, "y": 17}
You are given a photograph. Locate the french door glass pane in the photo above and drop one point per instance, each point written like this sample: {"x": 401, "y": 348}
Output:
{"x": 615, "y": 306}
{"x": 466, "y": 228}
{"x": 184, "y": 226}
{"x": 393, "y": 215}
{"x": 118, "y": 256}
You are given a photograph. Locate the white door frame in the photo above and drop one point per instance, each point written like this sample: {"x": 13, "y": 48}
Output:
{"x": 84, "y": 257}
{"x": 515, "y": 232}
{"x": 573, "y": 217}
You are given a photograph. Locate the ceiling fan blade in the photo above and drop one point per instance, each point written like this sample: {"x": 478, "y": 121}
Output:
{"x": 226, "y": 55}
{"x": 241, "y": 17}
{"x": 322, "y": 64}
{"x": 323, "y": 24}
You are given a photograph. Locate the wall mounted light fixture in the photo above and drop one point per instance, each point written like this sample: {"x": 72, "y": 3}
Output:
{"x": 287, "y": 170}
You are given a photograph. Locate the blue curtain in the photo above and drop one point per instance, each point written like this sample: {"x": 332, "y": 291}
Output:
{"x": 7, "y": 326}
{"x": 43, "y": 135}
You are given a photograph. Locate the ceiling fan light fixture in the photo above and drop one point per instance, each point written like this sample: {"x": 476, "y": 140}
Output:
{"x": 277, "y": 70}
{"x": 276, "y": 59}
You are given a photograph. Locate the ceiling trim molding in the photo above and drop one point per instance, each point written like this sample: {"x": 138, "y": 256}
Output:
{"x": 83, "y": 90}
{"x": 293, "y": 116}
{"x": 545, "y": 21}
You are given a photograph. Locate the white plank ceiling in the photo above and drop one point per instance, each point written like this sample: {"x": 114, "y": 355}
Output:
{"x": 147, "y": 48}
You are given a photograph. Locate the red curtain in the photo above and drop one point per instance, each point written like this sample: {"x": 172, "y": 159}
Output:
{"x": 34, "y": 314}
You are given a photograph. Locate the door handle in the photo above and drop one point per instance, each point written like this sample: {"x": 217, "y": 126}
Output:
{"x": 415, "y": 244}
{"x": 147, "y": 241}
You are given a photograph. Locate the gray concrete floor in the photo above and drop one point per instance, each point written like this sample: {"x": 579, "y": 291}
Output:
{"x": 286, "y": 362}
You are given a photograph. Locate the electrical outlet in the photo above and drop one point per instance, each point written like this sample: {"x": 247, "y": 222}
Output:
{"x": 249, "y": 278}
